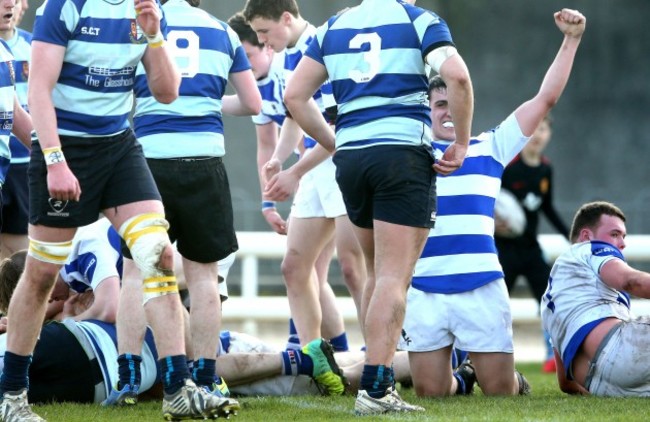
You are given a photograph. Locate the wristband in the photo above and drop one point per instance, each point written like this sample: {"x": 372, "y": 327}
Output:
{"x": 156, "y": 40}
{"x": 53, "y": 155}
{"x": 267, "y": 205}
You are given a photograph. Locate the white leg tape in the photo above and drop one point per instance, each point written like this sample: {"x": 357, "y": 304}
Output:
{"x": 50, "y": 252}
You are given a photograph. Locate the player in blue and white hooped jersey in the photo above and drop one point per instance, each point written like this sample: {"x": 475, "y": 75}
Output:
{"x": 15, "y": 198}
{"x": 318, "y": 212}
{"x": 601, "y": 347}
{"x": 376, "y": 56}
{"x": 190, "y": 174}
{"x": 458, "y": 296}
{"x": 86, "y": 161}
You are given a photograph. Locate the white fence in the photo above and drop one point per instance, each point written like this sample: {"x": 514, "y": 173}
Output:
{"x": 254, "y": 246}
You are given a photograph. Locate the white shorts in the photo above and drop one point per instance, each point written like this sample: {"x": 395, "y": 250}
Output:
{"x": 476, "y": 321}
{"x": 620, "y": 367}
{"x": 318, "y": 193}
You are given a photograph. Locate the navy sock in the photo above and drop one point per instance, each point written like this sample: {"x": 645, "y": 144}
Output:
{"x": 15, "y": 373}
{"x": 461, "y": 388}
{"x": 174, "y": 372}
{"x": 376, "y": 379}
{"x": 293, "y": 342}
{"x": 204, "y": 371}
{"x": 340, "y": 343}
{"x": 295, "y": 362}
{"x": 128, "y": 368}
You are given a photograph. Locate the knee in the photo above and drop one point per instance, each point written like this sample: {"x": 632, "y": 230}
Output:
{"x": 431, "y": 389}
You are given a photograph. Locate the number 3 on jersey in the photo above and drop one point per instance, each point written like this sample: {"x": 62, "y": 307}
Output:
{"x": 184, "y": 47}
{"x": 371, "y": 57}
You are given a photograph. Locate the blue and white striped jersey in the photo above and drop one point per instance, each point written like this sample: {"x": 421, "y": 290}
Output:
{"x": 272, "y": 91}
{"x": 460, "y": 254}
{"x": 206, "y": 51}
{"x": 577, "y": 300}
{"x": 21, "y": 48}
{"x": 96, "y": 255}
{"x": 374, "y": 54}
{"x": 104, "y": 44}
{"x": 7, "y": 93}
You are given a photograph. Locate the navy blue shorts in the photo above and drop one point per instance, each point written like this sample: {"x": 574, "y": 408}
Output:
{"x": 111, "y": 170}
{"x": 198, "y": 206}
{"x": 15, "y": 200}
{"x": 391, "y": 183}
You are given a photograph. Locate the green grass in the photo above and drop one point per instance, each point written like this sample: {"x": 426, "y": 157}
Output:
{"x": 546, "y": 403}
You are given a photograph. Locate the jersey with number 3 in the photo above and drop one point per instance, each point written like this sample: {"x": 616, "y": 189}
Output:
{"x": 375, "y": 59}
{"x": 577, "y": 300}
{"x": 206, "y": 52}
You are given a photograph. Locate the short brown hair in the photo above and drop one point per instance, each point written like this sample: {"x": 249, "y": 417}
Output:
{"x": 269, "y": 9}
{"x": 588, "y": 216}
{"x": 238, "y": 23}
{"x": 10, "y": 271}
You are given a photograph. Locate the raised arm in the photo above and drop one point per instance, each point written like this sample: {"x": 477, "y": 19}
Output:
{"x": 572, "y": 24}
{"x": 162, "y": 76}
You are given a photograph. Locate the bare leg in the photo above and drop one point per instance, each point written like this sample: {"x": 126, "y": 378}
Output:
{"x": 332, "y": 321}
{"x": 305, "y": 240}
{"x": 351, "y": 259}
{"x": 131, "y": 320}
{"x": 495, "y": 373}
{"x": 432, "y": 373}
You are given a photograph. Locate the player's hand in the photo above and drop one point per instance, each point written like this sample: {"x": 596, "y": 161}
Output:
{"x": 501, "y": 227}
{"x": 571, "y": 22}
{"x": 451, "y": 160}
{"x": 270, "y": 169}
{"x": 148, "y": 16}
{"x": 3, "y": 324}
{"x": 62, "y": 183}
{"x": 275, "y": 220}
{"x": 281, "y": 186}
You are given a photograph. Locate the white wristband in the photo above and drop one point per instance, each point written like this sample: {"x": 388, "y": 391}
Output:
{"x": 53, "y": 155}
{"x": 156, "y": 40}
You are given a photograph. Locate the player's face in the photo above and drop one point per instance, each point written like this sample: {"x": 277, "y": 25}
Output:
{"x": 275, "y": 34}
{"x": 7, "y": 15}
{"x": 260, "y": 59}
{"x": 441, "y": 124}
{"x": 611, "y": 230}
{"x": 60, "y": 292}
{"x": 540, "y": 138}
{"x": 24, "y": 5}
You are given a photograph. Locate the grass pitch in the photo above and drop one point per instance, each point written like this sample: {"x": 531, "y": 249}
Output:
{"x": 546, "y": 403}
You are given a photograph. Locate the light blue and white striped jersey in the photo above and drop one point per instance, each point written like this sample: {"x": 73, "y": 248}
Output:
{"x": 272, "y": 91}
{"x": 7, "y": 93}
{"x": 104, "y": 44}
{"x": 374, "y": 54}
{"x": 460, "y": 254}
{"x": 96, "y": 255}
{"x": 206, "y": 51}
{"x": 577, "y": 300}
{"x": 21, "y": 48}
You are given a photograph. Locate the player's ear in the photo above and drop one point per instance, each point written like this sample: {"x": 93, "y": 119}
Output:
{"x": 585, "y": 234}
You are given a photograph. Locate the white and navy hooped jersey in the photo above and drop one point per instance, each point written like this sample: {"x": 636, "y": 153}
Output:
{"x": 102, "y": 339}
{"x": 374, "y": 54}
{"x": 576, "y": 298}
{"x": 104, "y": 44}
{"x": 323, "y": 96}
{"x": 96, "y": 255}
{"x": 206, "y": 51}
{"x": 7, "y": 94}
{"x": 271, "y": 89}
{"x": 460, "y": 254}
{"x": 21, "y": 48}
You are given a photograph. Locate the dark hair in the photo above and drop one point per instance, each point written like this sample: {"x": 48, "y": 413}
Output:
{"x": 269, "y": 9}
{"x": 243, "y": 30}
{"x": 436, "y": 83}
{"x": 10, "y": 271}
{"x": 588, "y": 216}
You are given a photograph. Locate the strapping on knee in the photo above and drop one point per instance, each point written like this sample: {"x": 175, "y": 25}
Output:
{"x": 50, "y": 252}
{"x": 146, "y": 237}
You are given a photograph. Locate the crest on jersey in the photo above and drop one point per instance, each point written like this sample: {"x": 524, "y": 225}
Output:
{"x": 25, "y": 72}
{"x": 136, "y": 36}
